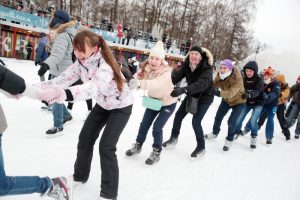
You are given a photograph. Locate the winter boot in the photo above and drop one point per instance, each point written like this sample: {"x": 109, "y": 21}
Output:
{"x": 210, "y": 136}
{"x": 102, "y": 198}
{"x": 154, "y": 156}
{"x": 54, "y": 132}
{"x": 297, "y": 135}
{"x": 227, "y": 145}
{"x": 269, "y": 141}
{"x": 253, "y": 140}
{"x": 170, "y": 142}
{"x": 136, "y": 148}
{"x": 59, "y": 189}
{"x": 198, "y": 153}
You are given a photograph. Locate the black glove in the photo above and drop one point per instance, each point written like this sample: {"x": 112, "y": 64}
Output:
{"x": 178, "y": 91}
{"x": 43, "y": 69}
{"x": 217, "y": 92}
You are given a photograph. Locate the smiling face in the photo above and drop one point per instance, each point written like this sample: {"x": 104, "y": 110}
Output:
{"x": 223, "y": 69}
{"x": 195, "y": 57}
{"x": 154, "y": 62}
{"x": 249, "y": 73}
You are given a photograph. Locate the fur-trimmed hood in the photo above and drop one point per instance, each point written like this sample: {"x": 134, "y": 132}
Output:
{"x": 61, "y": 28}
{"x": 205, "y": 53}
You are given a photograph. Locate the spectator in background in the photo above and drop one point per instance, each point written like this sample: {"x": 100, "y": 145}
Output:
{"x": 119, "y": 33}
{"x": 169, "y": 43}
{"x": 41, "y": 52}
{"x": 28, "y": 48}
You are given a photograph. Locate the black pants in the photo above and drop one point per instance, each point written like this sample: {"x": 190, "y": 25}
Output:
{"x": 114, "y": 122}
{"x": 280, "y": 117}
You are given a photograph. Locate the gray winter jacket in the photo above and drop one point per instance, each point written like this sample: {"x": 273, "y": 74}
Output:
{"x": 61, "y": 52}
{"x": 3, "y": 123}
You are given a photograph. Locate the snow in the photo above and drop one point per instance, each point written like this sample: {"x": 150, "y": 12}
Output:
{"x": 266, "y": 173}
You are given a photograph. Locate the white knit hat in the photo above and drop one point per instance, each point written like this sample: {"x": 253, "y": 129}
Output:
{"x": 158, "y": 50}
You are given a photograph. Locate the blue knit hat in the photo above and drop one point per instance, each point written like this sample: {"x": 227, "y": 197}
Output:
{"x": 60, "y": 17}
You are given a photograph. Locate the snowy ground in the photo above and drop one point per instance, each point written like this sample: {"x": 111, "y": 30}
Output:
{"x": 267, "y": 173}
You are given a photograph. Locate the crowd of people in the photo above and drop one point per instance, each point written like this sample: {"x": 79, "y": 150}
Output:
{"x": 84, "y": 56}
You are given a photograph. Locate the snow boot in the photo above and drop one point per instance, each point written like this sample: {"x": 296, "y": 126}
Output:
{"x": 269, "y": 141}
{"x": 154, "y": 156}
{"x": 54, "y": 132}
{"x": 227, "y": 145}
{"x": 198, "y": 153}
{"x": 210, "y": 136}
{"x": 136, "y": 148}
{"x": 253, "y": 140}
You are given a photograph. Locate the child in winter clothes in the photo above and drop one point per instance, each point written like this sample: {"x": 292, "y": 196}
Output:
{"x": 253, "y": 84}
{"x": 271, "y": 96}
{"x": 283, "y": 97}
{"x": 14, "y": 86}
{"x": 230, "y": 81}
{"x": 102, "y": 80}
{"x": 198, "y": 72}
{"x": 155, "y": 77}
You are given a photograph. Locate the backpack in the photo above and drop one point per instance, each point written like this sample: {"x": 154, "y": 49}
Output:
{"x": 72, "y": 54}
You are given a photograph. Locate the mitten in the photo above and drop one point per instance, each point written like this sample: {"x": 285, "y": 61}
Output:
{"x": 56, "y": 94}
{"x": 43, "y": 69}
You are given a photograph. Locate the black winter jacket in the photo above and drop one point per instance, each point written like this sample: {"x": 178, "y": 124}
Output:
{"x": 11, "y": 82}
{"x": 254, "y": 84}
{"x": 199, "y": 82}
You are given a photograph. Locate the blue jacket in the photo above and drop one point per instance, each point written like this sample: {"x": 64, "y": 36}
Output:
{"x": 272, "y": 92}
{"x": 41, "y": 52}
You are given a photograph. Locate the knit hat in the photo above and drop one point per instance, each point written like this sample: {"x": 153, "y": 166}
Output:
{"x": 60, "y": 17}
{"x": 227, "y": 63}
{"x": 252, "y": 65}
{"x": 197, "y": 48}
{"x": 269, "y": 71}
{"x": 158, "y": 50}
{"x": 280, "y": 78}
{"x": 298, "y": 79}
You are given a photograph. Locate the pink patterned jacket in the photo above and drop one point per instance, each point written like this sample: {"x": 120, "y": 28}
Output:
{"x": 98, "y": 83}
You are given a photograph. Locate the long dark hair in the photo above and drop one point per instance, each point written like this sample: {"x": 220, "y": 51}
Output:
{"x": 89, "y": 38}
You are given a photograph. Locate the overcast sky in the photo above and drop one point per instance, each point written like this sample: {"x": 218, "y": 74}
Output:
{"x": 277, "y": 23}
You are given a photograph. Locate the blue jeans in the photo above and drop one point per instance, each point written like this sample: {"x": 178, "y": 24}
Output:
{"x": 196, "y": 122}
{"x": 12, "y": 185}
{"x": 221, "y": 112}
{"x": 271, "y": 110}
{"x": 59, "y": 112}
{"x": 162, "y": 117}
{"x": 253, "y": 126}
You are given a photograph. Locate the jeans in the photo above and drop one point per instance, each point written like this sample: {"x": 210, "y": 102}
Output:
{"x": 271, "y": 110}
{"x": 297, "y": 130}
{"x": 162, "y": 117}
{"x": 59, "y": 112}
{"x": 12, "y": 185}
{"x": 113, "y": 122}
{"x": 196, "y": 122}
{"x": 221, "y": 112}
{"x": 253, "y": 119}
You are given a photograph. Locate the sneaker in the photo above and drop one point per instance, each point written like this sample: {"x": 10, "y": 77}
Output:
{"x": 136, "y": 148}
{"x": 244, "y": 132}
{"x": 67, "y": 119}
{"x": 297, "y": 136}
{"x": 59, "y": 189}
{"x": 227, "y": 145}
{"x": 154, "y": 156}
{"x": 54, "y": 132}
{"x": 170, "y": 142}
{"x": 198, "y": 153}
{"x": 269, "y": 141}
{"x": 253, "y": 142}
{"x": 210, "y": 136}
